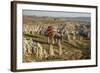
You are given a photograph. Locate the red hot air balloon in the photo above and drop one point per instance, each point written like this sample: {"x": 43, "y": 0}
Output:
{"x": 51, "y": 31}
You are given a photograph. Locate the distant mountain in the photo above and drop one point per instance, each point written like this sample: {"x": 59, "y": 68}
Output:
{"x": 46, "y": 19}
{"x": 87, "y": 19}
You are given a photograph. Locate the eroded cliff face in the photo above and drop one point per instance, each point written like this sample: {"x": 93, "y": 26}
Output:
{"x": 73, "y": 42}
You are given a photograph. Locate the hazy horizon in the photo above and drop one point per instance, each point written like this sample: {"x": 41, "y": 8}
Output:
{"x": 55, "y": 13}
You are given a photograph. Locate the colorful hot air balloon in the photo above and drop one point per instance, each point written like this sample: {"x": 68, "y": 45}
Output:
{"x": 51, "y": 31}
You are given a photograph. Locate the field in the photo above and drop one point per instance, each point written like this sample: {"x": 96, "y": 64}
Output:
{"x": 71, "y": 41}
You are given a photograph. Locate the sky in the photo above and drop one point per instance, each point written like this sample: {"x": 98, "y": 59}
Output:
{"x": 55, "y": 13}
